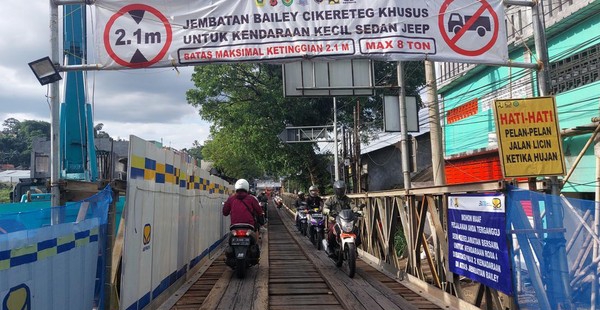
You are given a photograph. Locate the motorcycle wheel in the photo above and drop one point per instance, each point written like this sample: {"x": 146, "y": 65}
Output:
{"x": 340, "y": 257}
{"x": 319, "y": 237}
{"x": 240, "y": 268}
{"x": 303, "y": 229}
{"x": 351, "y": 259}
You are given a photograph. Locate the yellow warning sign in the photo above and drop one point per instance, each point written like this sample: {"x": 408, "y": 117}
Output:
{"x": 528, "y": 137}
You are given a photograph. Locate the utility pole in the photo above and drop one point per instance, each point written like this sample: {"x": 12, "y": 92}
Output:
{"x": 403, "y": 126}
{"x": 344, "y": 155}
{"x": 335, "y": 139}
{"x": 560, "y": 289}
{"x": 357, "y": 165}
{"x": 435, "y": 129}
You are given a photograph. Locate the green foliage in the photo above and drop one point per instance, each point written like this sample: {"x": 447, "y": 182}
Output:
{"x": 245, "y": 104}
{"x": 195, "y": 151}
{"x": 16, "y": 138}
{"x": 400, "y": 242}
{"x": 5, "y": 189}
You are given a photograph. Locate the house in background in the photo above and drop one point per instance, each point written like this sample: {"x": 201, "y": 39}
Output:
{"x": 381, "y": 159}
{"x": 468, "y": 92}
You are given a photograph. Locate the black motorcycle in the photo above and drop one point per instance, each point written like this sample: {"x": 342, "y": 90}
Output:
{"x": 302, "y": 218}
{"x": 243, "y": 251}
{"x": 316, "y": 227}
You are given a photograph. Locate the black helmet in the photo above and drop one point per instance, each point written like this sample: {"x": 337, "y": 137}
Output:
{"x": 339, "y": 188}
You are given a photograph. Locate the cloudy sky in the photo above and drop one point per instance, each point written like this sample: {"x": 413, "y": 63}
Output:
{"x": 147, "y": 103}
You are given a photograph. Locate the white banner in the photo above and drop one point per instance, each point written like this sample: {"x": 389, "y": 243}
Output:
{"x": 168, "y": 33}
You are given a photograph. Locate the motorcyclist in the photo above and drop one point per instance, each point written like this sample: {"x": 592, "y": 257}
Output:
{"x": 300, "y": 205}
{"x": 243, "y": 207}
{"x": 313, "y": 200}
{"x": 335, "y": 204}
{"x": 263, "y": 201}
{"x": 263, "y": 197}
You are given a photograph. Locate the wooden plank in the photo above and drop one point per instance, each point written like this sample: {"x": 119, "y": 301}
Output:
{"x": 192, "y": 283}
{"x": 307, "y": 307}
{"x": 261, "y": 287}
{"x": 298, "y": 291}
{"x": 347, "y": 294}
{"x": 214, "y": 297}
{"x": 398, "y": 301}
{"x": 303, "y": 300}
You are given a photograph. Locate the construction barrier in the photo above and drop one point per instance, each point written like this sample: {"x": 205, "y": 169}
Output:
{"x": 44, "y": 266}
{"x": 173, "y": 219}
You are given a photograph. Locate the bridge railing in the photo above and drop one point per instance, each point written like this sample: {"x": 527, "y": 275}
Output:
{"x": 418, "y": 235}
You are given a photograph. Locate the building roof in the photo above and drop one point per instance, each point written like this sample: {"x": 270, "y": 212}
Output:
{"x": 13, "y": 176}
{"x": 386, "y": 139}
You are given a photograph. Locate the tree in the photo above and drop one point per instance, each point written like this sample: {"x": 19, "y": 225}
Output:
{"x": 98, "y": 133}
{"x": 195, "y": 151}
{"x": 245, "y": 104}
{"x": 16, "y": 138}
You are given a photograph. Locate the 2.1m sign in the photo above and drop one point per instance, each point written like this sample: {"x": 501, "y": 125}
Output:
{"x": 193, "y": 32}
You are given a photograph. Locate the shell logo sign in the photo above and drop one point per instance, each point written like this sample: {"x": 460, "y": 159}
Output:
{"x": 496, "y": 203}
{"x": 147, "y": 237}
{"x": 18, "y": 298}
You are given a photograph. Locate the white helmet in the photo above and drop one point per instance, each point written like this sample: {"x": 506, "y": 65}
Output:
{"x": 242, "y": 184}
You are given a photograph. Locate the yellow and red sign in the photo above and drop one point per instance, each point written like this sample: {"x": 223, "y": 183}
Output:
{"x": 528, "y": 137}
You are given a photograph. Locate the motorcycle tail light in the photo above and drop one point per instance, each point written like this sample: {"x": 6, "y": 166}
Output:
{"x": 240, "y": 233}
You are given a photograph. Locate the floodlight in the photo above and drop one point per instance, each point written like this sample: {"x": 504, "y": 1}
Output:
{"x": 45, "y": 71}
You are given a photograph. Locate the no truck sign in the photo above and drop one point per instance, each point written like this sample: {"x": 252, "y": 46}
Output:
{"x": 159, "y": 34}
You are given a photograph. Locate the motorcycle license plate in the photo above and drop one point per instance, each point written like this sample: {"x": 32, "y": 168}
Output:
{"x": 240, "y": 241}
{"x": 317, "y": 216}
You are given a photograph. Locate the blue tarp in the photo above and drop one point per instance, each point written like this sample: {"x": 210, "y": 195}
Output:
{"x": 551, "y": 263}
{"x": 32, "y": 216}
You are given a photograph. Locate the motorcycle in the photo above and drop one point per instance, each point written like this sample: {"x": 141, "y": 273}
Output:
{"x": 316, "y": 227}
{"x": 302, "y": 218}
{"x": 346, "y": 236}
{"x": 264, "y": 207}
{"x": 243, "y": 251}
{"x": 278, "y": 202}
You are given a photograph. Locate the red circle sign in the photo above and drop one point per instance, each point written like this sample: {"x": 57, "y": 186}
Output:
{"x": 138, "y": 60}
{"x": 459, "y": 25}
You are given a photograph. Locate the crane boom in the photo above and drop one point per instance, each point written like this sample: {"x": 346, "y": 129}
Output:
{"x": 77, "y": 150}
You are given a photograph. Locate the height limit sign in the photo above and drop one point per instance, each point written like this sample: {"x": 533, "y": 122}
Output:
{"x": 137, "y": 36}
{"x": 470, "y": 28}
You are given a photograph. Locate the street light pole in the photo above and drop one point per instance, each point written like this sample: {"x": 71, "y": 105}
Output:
{"x": 55, "y": 114}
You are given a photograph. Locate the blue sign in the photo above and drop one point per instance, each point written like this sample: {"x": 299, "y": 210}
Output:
{"x": 477, "y": 240}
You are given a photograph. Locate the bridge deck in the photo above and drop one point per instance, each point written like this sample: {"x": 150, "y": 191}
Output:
{"x": 293, "y": 275}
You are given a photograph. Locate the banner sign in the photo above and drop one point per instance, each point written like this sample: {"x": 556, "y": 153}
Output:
{"x": 477, "y": 240}
{"x": 160, "y": 34}
{"x": 529, "y": 137}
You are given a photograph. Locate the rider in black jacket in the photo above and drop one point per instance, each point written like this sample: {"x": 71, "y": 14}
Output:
{"x": 314, "y": 200}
